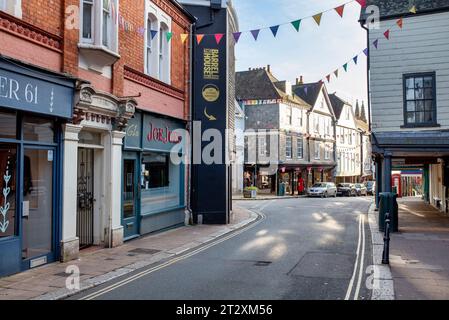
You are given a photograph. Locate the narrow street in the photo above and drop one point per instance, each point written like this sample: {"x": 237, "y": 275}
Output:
{"x": 299, "y": 249}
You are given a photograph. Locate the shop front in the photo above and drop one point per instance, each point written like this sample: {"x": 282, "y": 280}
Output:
{"x": 34, "y": 105}
{"x": 153, "y": 181}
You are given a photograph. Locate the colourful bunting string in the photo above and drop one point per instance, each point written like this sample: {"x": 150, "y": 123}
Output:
{"x": 274, "y": 30}
{"x": 413, "y": 10}
{"x": 345, "y": 66}
{"x": 336, "y": 73}
{"x": 169, "y": 35}
{"x": 328, "y": 77}
{"x": 199, "y": 38}
{"x": 184, "y": 37}
{"x": 366, "y": 51}
{"x": 340, "y": 10}
{"x": 237, "y": 36}
{"x": 153, "y": 34}
{"x": 387, "y": 34}
{"x": 355, "y": 59}
{"x": 255, "y": 33}
{"x": 399, "y": 23}
{"x": 317, "y": 18}
{"x": 362, "y": 3}
{"x": 218, "y": 37}
{"x": 296, "y": 24}
{"x": 376, "y": 43}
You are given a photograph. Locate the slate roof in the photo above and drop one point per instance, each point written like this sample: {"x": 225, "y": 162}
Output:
{"x": 259, "y": 84}
{"x": 392, "y": 8}
{"x": 308, "y": 92}
{"x": 337, "y": 104}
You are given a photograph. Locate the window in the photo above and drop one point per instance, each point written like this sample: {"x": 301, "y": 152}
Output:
{"x": 99, "y": 24}
{"x": 8, "y": 125}
{"x": 157, "y": 45}
{"x": 420, "y": 99}
{"x": 316, "y": 124}
{"x": 350, "y": 137}
{"x": 317, "y": 150}
{"x": 289, "y": 116}
{"x": 326, "y": 152}
{"x": 348, "y": 111}
{"x": 155, "y": 171}
{"x": 8, "y": 185}
{"x": 288, "y": 147}
{"x": 300, "y": 148}
{"x": 342, "y": 135}
{"x": 13, "y": 7}
{"x": 300, "y": 118}
{"x": 262, "y": 145}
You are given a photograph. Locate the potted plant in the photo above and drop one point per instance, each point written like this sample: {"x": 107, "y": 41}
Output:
{"x": 250, "y": 192}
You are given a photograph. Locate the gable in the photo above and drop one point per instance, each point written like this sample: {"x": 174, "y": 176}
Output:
{"x": 322, "y": 104}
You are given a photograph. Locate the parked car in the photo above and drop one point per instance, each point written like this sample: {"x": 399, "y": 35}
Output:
{"x": 361, "y": 189}
{"x": 346, "y": 190}
{"x": 323, "y": 190}
{"x": 370, "y": 187}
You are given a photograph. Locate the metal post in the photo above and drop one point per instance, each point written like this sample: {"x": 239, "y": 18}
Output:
{"x": 387, "y": 171}
{"x": 386, "y": 252}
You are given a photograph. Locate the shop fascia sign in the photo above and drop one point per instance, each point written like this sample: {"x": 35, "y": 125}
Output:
{"x": 163, "y": 134}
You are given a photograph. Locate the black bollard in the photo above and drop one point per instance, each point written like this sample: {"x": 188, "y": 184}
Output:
{"x": 386, "y": 253}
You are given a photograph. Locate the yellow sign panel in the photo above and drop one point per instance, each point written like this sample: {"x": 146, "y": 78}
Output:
{"x": 211, "y": 93}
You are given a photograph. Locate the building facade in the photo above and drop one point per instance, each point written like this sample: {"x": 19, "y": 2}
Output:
{"x": 72, "y": 75}
{"x": 409, "y": 100}
{"x": 238, "y": 169}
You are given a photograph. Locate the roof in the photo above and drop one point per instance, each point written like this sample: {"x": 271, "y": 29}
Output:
{"x": 183, "y": 10}
{"x": 308, "y": 92}
{"x": 389, "y": 8}
{"x": 337, "y": 104}
{"x": 260, "y": 84}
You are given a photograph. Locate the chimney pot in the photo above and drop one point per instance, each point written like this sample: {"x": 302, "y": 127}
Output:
{"x": 301, "y": 81}
{"x": 269, "y": 68}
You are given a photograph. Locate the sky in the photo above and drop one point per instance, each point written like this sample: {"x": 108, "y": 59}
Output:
{"x": 313, "y": 52}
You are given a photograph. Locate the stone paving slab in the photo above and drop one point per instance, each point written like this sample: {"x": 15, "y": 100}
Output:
{"x": 99, "y": 265}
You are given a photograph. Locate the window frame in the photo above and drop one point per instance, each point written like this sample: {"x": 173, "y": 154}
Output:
{"x": 434, "y": 122}
{"x": 317, "y": 151}
{"x": 16, "y": 11}
{"x": 288, "y": 150}
{"x": 300, "y": 147}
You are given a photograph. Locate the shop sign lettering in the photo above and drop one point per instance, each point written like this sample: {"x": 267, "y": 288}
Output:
{"x": 164, "y": 135}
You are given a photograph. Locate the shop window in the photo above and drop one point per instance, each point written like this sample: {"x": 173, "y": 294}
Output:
{"x": 8, "y": 125}
{"x": 12, "y": 7}
{"x": 38, "y": 129}
{"x": 89, "y": 138}
{"x": 8, "y": 189}
{"x": 155, "y": 171}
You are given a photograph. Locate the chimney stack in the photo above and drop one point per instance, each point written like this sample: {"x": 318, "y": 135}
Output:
{"x": 269, "y": 68}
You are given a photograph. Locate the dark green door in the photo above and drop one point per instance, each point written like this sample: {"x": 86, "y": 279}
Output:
{"x": 130, "y": 191}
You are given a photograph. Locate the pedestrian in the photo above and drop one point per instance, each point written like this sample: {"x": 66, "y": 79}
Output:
{"x": 301, "y": 186}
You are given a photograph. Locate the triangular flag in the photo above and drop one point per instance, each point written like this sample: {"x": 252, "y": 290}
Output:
{"x": 362, "y": 3}
{"x": 255, "y": 33}
{"x": 296, "y": 24}
{"x": 199, "y": 38}
{"x": 340, "y": 10}
{"x": 153, "y": 33}
{"x": 355, "y": 59}
{"x": 274, "y": 30}
{"x": 169, "y": 36}
{"x": 345, "y": 66}
{"x": 387, "y": 34}
{"x": 328, "y": 77}
{"x": 336, "y": 73}
{"x": 218, "y": 37}
{"x": 413, "y": 9}
{"x": 366, "y": 52}
{"x": 237, "y": 36}
{"x": 317, "y": 18}
{"x": 184, "y": 37}
{"x": 376, "y": 43}
{"x": 399, "y": 23}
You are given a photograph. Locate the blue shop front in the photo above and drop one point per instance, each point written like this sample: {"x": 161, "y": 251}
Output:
{"x": 34, "y": 104}
{"x": 153, "y": 181}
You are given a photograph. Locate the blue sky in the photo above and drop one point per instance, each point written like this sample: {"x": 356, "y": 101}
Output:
{"x": 313, "y": 52}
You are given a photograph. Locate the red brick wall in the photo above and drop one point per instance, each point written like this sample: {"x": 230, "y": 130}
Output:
{"x": 44, "y": 14}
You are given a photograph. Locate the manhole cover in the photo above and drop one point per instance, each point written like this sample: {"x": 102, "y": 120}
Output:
{"x": 143, "y": 251}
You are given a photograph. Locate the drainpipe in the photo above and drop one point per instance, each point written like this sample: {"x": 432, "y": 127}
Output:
{"x": 368, "y": 75}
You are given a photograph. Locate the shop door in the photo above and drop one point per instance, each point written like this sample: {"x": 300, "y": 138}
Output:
{"x": 38, "y": 214}
{"x": 85, "y": 198}
{"x": 130, "y": 198}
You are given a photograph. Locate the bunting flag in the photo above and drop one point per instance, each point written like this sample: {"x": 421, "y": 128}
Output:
{"x": 169, "y": 36}
{"x": 399, "y": 23}
{"x": 317, "y": 18}
{"x": 413, "y": 10}
{"x": 218, "y": 37}
{"x": 366, "y": 51}
{"x": 237, "y": 36}
{"x": 387, "y": 34}
{"x": 296, "y": 24}
{"x": 274, "y": 30}
{"x": 345, "y": 66}
{"x": 184, "y": 37}
{"x": 376, "y": 43}
{"x": 328, "y": 77}
{"x": 355, "y": 59}
{"x": 340, "y": 10}
{"x": 199, "y": 38}
{"x": 362, "y": 3}
{"x": 255, "y": 33}
{"x": 153, "y": 34}
{"x": 336, "y": 73}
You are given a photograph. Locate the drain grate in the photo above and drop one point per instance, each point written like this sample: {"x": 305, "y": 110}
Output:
{"x": 65, "y": 275}
{"x": 143, "y": 251}
{"x": 262, "y": 263}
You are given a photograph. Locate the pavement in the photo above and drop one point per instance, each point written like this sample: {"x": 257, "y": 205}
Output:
{"x": 299, "y": 249}
{"x": 419, "y": 252}
{"x": 99, "y": 265}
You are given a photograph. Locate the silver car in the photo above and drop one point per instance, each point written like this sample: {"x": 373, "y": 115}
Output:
{"x": 323, "y": 190}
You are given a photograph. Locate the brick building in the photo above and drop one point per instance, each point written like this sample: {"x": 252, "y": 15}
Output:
{"x": 82, "y": 82}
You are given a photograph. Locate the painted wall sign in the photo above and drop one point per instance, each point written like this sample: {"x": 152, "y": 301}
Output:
{"x": 159, "y": 133}
{"x": 28, "y": 90}
{"x": 211, "y": 65}
{"x": 134, "y": 131}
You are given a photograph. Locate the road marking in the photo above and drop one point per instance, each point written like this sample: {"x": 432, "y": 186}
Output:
{"x": 141, "y": 274}
{"x": 351, "y": 283}
{"x": 362, "y": 260}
